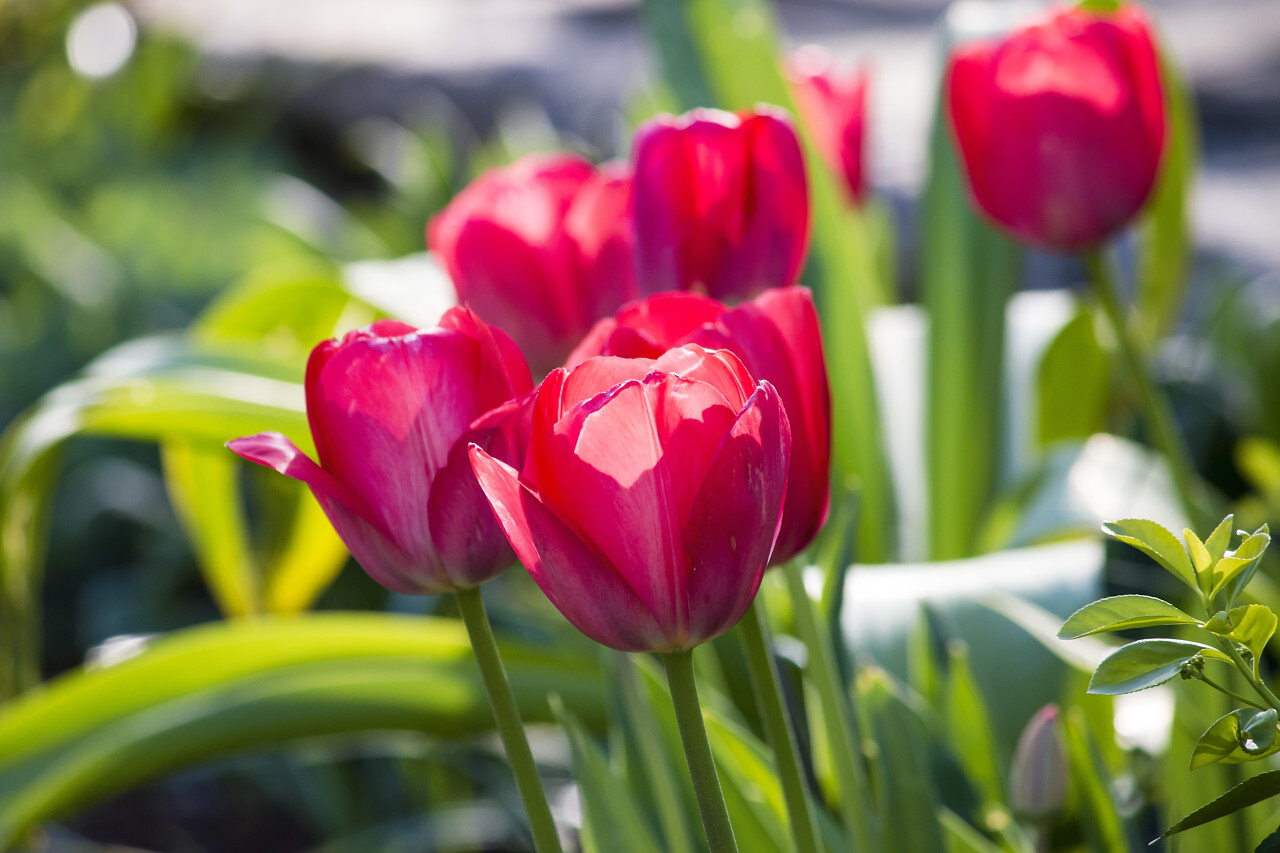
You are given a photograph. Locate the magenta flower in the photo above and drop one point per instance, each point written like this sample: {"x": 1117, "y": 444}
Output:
{"x": 651, "y": 496}
{"x": 392, "y": 410}
{"x": 720, "y": 203}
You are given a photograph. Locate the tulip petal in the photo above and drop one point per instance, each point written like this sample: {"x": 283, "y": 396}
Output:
{"x": 720, "y": 368}
{"x": 575, "y": 577}
{"x": 649, "y": 327}
{"x": 376, "y": 552}
{"x": 779, "y": 338}
{"x": 631, "y": 460}
{"x": 736, "y": 516}
{"x": 769, "y": 249}
{"x": 389, "y": 411}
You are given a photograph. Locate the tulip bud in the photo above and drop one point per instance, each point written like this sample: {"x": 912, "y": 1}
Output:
{"x": 651, "y": 495}
{"x": 833, "y": 106}
{"x": 541, "y": 248}
{"x": 720, "y": 203}
{"x": 1061, "y": 125}
{"x": 779, "y": 339}
{"x": 1038, "y": 778}
{"x": 392, "y": 411}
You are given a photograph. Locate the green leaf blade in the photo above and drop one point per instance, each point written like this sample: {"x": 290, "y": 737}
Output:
{"x": 1146, "y": 663}
{"x": 1157, "y": 543}
{"x": 1249, "y": 792}
{"x": 1122, "y": 612}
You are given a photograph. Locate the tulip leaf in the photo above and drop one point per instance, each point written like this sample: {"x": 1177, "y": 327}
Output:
{"x": 1074, "y": 382}
{"x": 203, "y": 486}
{"x": 1103, "y": 827}
{"x": 967, "y": 273}
{"x": 1164, "y": 227}
{"x": 612, "y": 820}
{"x": 1146, "y": 663}
{"x": 1239, "y": 564}
{"x": 200, "y": 693}
{"x": 1157, "y": 543}
{"x": 1251, "y": 625}
{"x": 961, "y": 837}
{"x": 1122, "y": 612}
{"x": 968, "y": 723}
{"x": 1245, "y": 734}
{"x": 1251, "y": 791}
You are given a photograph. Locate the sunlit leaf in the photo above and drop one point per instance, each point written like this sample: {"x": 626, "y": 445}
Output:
{"x": 1156, "y": 542}
{"x": 1147, "y": 663}
{"x": 1251, "y": 625}
{"x": 1249, "y": 792}
{"x": 1242, "y": 561}
{"x": 1245, "y": 734}
{"x": 1121, "y": 612}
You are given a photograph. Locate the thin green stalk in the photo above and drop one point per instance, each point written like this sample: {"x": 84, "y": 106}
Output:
{"x": 1247, "y": 671}
{"x": 507, "y": 715}
{"x": 1155, "y": 405}
{"x": 702, "y": 767}
{"x": 662, "y": 779}
{"x": 777, "y": 726}
{"x": 1226, "y": 691}
{"x": 851, "y": 776}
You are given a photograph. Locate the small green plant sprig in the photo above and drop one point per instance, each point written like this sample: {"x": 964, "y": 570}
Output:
{"x": 1236, "y": 634}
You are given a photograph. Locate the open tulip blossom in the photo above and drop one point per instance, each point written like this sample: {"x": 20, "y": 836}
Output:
{"x": 720, "y": 203}
{"x": 651, "y": 496}
{"x": 541, "y": 248}
{"x": 779, "y": 339}
{"x": 1061, "y": 125}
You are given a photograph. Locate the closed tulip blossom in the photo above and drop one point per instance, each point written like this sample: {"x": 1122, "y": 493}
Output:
{"x": 779, "y": 339}
{"x": 392, "y": 410}
{"x": 1061, "y": 125}
{"x": 651, "y": 496}
{"x": 541, "y": 248}
{"x": 833, "y": 105}
{"x": 720, "y": 203}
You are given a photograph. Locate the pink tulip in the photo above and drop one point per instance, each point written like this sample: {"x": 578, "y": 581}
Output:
{"x": 541, "y": 248}
{"x": 651, "y": 496}
{"x": 392, "y": 410}
{"x": 1061, "y": 125}
{"x": 833, "y": 106}
{"x": 720, "y": 203}
{"x": 778, "y": 338}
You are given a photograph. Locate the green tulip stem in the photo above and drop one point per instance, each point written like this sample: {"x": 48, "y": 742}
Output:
{"x": 507, "y": 715}
{"x": 662, "y": 778}
{"x": 702, "y": 767}
{"x": 851, "y": 775}
{"x": 1156, "y": 409}
{"x": 777, "y": 727}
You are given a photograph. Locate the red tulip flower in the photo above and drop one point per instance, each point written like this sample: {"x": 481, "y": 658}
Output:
{"x": 1061, "y": 125}
{"x": 778, "y": 338}
{"x": 651, "y": 495}
{"x": 392, "y": 410}
{"x": 720, "y": 203}
{"x": 833, "y": 106}
{"x": 542, "y": 249}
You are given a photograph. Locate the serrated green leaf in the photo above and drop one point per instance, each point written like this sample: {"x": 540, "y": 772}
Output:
{"x": 1242, "y": 560}
{"x": 1250, "y": 625}
{"x": 1224, "y": 741}
{"x": 1250, "y": 792}
{"x": 1121, "y": 612}
{"x": 1270, "y": 844}
{"x": 1146, "y": 663}
{"x": 1157, "y": 543}
{"x": 1220, "y": 539}
{"x": 1201, "y": 560}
